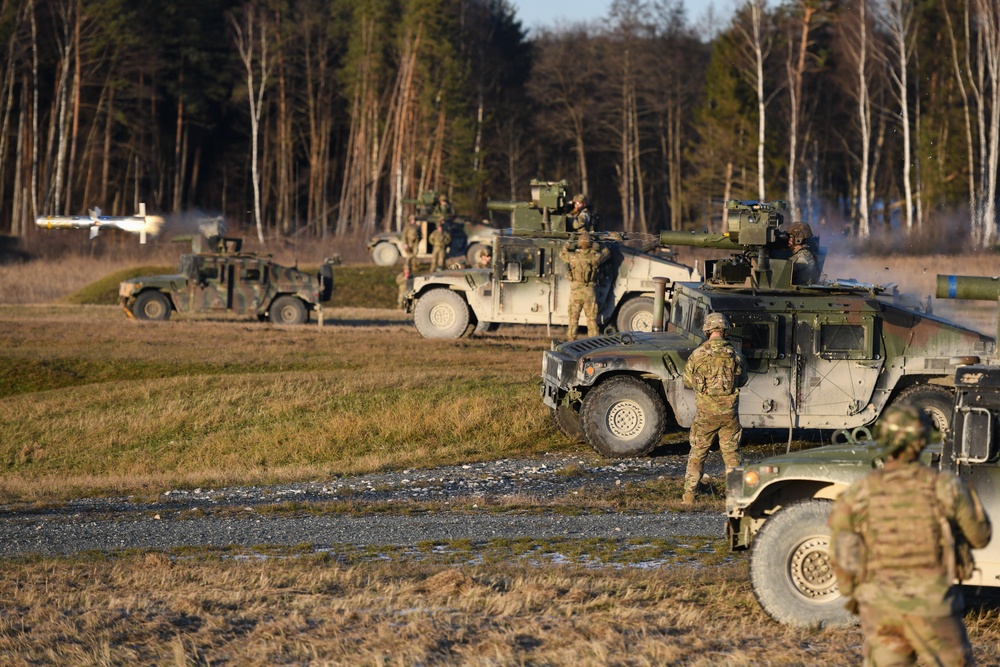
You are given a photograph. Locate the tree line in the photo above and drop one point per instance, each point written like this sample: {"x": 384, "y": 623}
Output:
{"x": 321, "y": 118}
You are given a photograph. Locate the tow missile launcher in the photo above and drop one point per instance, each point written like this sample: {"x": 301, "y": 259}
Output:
{"x": 546, "y": 212}
{"x": 829, "y": 355}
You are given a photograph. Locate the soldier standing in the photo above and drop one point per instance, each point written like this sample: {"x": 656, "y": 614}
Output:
{"x": 411, "y": 244}
{"x": 579, "y": 218}
{"x": 583, "y": 264}
{"x": 715, "y": 370}
{"x": 444, "y": 209}
{"x": 440, "y": 240}
{"x": 805, "y": 270}
{"x": 893, "y": 539}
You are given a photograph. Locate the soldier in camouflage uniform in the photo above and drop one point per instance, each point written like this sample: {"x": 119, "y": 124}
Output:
{"x": 715, "y": 370}
{"x": 411, "y": 245}
{"x": 805, "y": 270}
{"x": 583, "y": 264}
{"x": 893, "y": 538}
{"x": 579, "y": 218}
{"x": 440, "y": 239}
{"x": 443, "y": 209}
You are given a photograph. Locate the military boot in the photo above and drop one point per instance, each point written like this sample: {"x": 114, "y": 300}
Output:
{"x": 687, "y": 498}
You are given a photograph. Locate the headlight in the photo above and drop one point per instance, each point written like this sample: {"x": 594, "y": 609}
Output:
{"x": 751, "y": 478}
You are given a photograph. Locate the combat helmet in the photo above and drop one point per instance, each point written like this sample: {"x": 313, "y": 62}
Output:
{"x": 715, "y": 322}
{"x": 903, "y": 429}
{"x": 798, "y": 232}
{"x": 581, "y": 198}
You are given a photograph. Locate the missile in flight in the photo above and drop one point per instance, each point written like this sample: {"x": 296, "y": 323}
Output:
{"x": 140, "y": 224}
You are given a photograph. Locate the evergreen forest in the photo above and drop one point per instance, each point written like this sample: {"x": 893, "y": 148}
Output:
{"x": 319, "y": 118}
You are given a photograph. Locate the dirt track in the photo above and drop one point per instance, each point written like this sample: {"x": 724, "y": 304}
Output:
{"x": 313, "y": 513}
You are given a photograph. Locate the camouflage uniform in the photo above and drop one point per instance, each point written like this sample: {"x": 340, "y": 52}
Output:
{"x": 411, "y": 243}
{"x": 443, "y": 210}
{"x": 440, "y": 240}
{"x": 579, "y": 219}
{"x": 892, "y": 542}
{"x": 716, "y": 371}
{"x": 805, "y": 270}
{"x": 582, "y": 271}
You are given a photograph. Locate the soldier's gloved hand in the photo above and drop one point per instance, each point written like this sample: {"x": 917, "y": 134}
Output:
{"x": 851, "y": 605}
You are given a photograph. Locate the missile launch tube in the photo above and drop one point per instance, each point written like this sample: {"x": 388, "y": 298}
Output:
{"x": 981, "y": 288}
{"x": 702, "y": 240}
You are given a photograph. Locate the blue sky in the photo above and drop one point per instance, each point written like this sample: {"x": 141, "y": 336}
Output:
{"x": 549, "y": 13}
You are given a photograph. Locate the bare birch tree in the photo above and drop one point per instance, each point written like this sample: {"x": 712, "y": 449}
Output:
{"x": 897, "y": 18}
{"x": 759, "y": 37}
{"x": 795, "y": 66}
{"x": 255, "y": 64}
{"x": 858, "y": 52}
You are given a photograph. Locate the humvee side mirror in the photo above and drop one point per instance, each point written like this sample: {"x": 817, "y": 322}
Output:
{"x": 976, "y": 429}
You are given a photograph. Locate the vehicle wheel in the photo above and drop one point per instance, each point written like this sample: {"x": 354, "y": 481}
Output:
{"x": 472, "y": 254}
{"x": 151, "y": 305}
{"x": 623, "y": 416}
{"x": 567, "y": 420}
{"x": 385, "y": 254}
{"x": 937, "y": 402}
{"x": 441, "y": 313}
{"x": 637, "y": 315}
{"x": 288, "y": 310}
{"x": 790, "y": 568}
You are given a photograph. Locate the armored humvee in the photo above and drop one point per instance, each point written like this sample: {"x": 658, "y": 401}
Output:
{"x": 778, "y": 507}
{"x": 829, "y": 355}
{"x": 228, "y": 280}
{"x": 467, "y": 238}
{"x": 526, "y": 281}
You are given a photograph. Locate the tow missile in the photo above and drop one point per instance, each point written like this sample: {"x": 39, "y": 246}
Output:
{"x": 140, "y": 224}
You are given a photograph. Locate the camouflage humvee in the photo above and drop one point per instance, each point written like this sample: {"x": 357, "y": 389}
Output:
{"x": 778, "y": 507}
{"x": 829, "y": 355}
{"x": 467, "y": 238}
{"x": 228, "y": 280}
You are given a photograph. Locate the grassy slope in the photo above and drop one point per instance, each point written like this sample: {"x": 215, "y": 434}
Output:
{"x": 99, "y": 402}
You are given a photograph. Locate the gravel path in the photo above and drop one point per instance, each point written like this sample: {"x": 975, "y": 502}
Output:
{"x": 231, "y": 516}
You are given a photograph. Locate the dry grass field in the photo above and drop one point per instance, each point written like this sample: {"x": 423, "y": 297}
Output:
{"x": 92, "y": 403}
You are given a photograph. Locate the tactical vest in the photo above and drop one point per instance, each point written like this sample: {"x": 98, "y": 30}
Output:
{"x": 902, "y": 530}
{"x": 583, "y": 268}
{"x": 716, "y": 371}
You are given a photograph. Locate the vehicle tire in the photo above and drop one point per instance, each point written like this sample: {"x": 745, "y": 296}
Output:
{"x": 567, "y": 420}
{"x": 937, "y": 402}
{"x": 385, "y": 254}
{"x": 472, "y": 254}
{"x": 288, "y": 310}
{"x": 623, "y": 416}
{"x": 441, "y": 313}
{"x": 636, "y": 314}
{"x": 790, "y": 568}
{"x": 151, "y": 305}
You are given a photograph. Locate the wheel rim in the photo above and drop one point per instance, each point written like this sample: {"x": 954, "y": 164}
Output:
{"x": 288, "y": 314}
{"x": 810, "y": 572}
{"x": 153, "y": 310}
{"x": 626, "y": 420}
{"x": 442, "y": 316}
{"x": 641, "y": 321}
